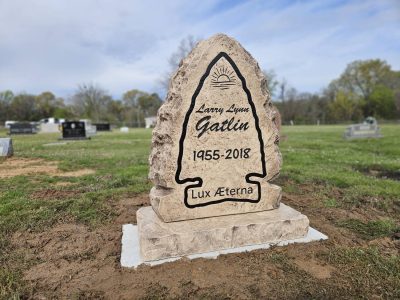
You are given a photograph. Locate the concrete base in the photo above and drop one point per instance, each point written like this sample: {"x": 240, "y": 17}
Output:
{"x": 160, "y": 240}
{"x": 130, "y": 254}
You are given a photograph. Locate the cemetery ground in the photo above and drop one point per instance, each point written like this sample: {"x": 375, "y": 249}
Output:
{"x": 62, "y": 207}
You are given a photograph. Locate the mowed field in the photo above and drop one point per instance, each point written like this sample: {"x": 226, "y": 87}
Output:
{"x": 62, "y": 207}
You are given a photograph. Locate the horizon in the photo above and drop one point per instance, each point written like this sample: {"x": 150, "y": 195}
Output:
{"x": 48, "y": 46}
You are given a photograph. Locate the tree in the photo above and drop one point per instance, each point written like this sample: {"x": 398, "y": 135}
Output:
{"x": 345, "y": 107}
{"x": 47, "y": 104}
{"x": 149, "y": 104}
{"x": 382, "y": 102}
{"x": 185, "y": 46}
{"x": 138, "y": 105}
{"x": 6, "y": 98}
{"x": 131, "y": 97}
{"x": 362, "y": 77}
{"x": 91, "y": 102}
{"x": 272, "y": 82}
{"x": 23, "y": 108}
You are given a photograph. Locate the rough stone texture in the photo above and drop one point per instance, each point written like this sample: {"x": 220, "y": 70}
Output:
{"x": 277, "y": 118}
{"x": 6, "y": 147}
{"x": 217, "y": 74}
{"x": 159, "y": 240}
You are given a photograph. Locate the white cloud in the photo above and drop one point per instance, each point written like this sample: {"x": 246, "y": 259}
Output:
{"x": 55, "y": 45}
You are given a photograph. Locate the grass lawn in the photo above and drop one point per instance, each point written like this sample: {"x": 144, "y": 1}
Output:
{"x": 349, "y": 189}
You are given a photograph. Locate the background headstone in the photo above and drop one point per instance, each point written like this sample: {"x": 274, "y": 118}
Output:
{"x": 73, "y": 130}
{"x": 368, "y": 129}
{"x": 102, "y": 126}
{"x": 49, "y": 128}
{"x": 23, "y": 128}
{"x": 6, "y": 147}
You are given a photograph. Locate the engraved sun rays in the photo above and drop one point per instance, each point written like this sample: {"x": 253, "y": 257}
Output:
{"x": 223, "y": 78}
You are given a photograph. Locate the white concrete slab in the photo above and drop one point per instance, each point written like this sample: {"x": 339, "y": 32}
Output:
{"x": 130, "y": 254}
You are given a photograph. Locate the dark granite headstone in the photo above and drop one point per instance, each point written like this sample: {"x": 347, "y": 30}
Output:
{"x": 103, "y": 126}
{"x": 73, "y": 130}
{"x": 23, "y": 128}
{"x": 6, "y": 147}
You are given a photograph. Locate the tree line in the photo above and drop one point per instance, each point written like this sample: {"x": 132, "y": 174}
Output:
{"x": 365, "y": 88}
{"x": 88, "y": 102}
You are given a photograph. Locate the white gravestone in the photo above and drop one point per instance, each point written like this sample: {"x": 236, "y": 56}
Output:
{"x": 6, "y": 147}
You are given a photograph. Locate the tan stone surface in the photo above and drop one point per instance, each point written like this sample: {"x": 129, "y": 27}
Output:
{"x": 277, "y": 118}
{"x": 160, "y": 240}
{"x": 214, "y": 147}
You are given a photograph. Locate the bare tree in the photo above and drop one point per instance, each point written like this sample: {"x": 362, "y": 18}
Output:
{"x": 91, "y": 101}
{"x": 283, "y": 86}
{"x": 186, "y": 45}
{"x": 272, "y": 82}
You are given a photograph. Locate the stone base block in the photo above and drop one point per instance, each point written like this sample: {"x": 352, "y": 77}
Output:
{"x": 160, "y": 240}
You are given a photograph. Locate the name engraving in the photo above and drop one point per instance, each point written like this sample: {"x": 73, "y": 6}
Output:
{"x": 221, "y": 151}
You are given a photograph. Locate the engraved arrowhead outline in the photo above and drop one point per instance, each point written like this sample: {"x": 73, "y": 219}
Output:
{"x": 199, "y": 180}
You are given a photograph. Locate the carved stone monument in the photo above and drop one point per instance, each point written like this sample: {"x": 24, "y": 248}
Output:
{"x": 214, "y": 153}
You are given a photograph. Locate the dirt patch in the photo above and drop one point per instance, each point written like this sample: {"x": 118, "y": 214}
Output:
{"x": 314, "y": 268}
{"x": 78, "y": 173}
{"x": 24, "y": 166}
{"x": 72, "y": 260}
{"x": 379, "y": 172}
{"x": 126, "y": 208}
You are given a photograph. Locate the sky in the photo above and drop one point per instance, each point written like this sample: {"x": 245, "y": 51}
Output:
{"x": 48, "y": 45}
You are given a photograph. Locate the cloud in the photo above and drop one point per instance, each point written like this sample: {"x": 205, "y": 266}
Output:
{"x": 56, "y": 45}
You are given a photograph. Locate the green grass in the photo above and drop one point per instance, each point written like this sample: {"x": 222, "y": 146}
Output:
{"x": 120, "y": 162}
{"x": 313, "y": 155}
{"x": 371, "y": 229}
{"x": 319, "y": 155}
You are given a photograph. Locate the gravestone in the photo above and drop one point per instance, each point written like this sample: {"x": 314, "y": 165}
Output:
{"x": 23, "y": 128}
{"x": 102, "y": 126}
{"x": 74, "y": 130}
{"x": 49, "y": 128}
{"x": 368, "y": 129}
{"x": 6, "y": 147}
{"x": 214, "y": 153}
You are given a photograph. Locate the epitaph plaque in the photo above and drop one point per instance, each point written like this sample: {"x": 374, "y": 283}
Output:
{"x": 214, "y": 151}
{"x": 214, "y": 147}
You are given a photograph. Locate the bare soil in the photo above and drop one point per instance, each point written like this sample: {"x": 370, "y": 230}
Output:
{"x": 72, "y": 260}
{"x": 24, "y": 166}
{"x": 379, "y": 172}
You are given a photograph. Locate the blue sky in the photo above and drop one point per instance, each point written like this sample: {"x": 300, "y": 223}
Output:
{"x": 121, "y": 45}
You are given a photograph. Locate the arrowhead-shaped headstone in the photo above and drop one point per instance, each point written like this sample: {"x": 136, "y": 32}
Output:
{"x": 214, "y": 147}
